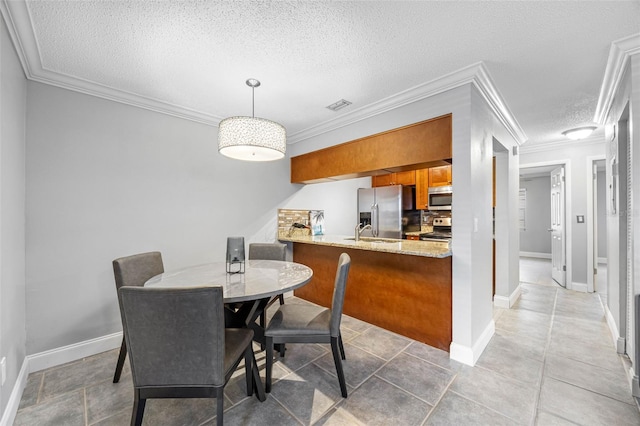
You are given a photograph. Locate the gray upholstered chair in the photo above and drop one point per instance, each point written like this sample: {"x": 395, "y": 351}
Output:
{"x": 134, "y": 271}
{"x": 268, "y": 251}
{"x": 295, "y": 323}
{"x": 180, "y": 348}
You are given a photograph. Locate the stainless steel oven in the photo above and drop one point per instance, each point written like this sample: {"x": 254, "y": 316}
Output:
{"x": 440, "y": 198}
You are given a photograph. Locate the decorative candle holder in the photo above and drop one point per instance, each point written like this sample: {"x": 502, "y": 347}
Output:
{"x": 235, "y": 255}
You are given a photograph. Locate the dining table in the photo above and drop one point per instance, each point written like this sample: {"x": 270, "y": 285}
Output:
{"x": 247, "y": 294}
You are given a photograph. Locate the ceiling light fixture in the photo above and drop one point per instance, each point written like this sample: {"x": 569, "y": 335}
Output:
{"x": 251, "y": 138}
{"x": 579, "y": 132}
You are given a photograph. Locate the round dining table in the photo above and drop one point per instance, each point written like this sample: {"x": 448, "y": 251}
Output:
{"x": 246, "y": 294}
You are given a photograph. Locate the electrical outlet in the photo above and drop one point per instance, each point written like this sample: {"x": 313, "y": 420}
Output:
{"x": 3, "y": 367}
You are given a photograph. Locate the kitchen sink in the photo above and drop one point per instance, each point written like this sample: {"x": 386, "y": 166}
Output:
{"x": 373, "y": 240}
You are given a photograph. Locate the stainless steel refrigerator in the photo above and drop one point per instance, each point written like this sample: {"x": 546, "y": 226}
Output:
{"x": 382, "y": 208}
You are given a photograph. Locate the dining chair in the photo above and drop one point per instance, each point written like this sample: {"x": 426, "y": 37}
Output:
{"x": 134, "y": 271}
{"x": 268, "y": 251}
{"x": 295, "y": 323}
{"x": 179, "y": 346}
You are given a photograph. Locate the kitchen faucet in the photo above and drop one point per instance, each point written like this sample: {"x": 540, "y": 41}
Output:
{"x": 359, "y": 230}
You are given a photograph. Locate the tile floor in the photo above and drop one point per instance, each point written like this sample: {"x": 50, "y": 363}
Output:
{"x": 551, "y": 362}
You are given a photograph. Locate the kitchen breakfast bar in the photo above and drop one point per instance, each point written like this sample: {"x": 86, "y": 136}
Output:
{"x": 401, "y": 285}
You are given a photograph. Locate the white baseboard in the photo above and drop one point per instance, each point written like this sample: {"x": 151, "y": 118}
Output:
{"x": 52, "y": 358}
{"x": 507, "y": 302}
{"x": 613, "y": 328}
{"x": 535, "y": 254}
{"x": 470, "y": 355}
{"x": 69, "y": 353}
{"x": 515, "y": 296}
{"x": 11, "y": 409}
{"x": 501, "y": 302}
{"x": 582, "y": 287}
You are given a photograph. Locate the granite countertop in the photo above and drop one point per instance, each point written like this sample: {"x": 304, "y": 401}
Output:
{"x": 412, "y": 247}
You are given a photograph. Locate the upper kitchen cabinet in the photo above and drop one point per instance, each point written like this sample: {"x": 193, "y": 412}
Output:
{"x": 400, "y": 178}
{"x": 417, "y": 146}
{"x": 440, "y": 176}
{"x": 422, "y": 189}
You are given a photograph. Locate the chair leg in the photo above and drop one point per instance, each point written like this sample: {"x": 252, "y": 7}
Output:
{"x": 257, "y": 383}
{"x": 336, "y": 359}
{"x": 263, "y": 321}
{"x": 138, "y": 409}
{"x": 281, "y": 298}
{"x": 120, "y": 364}
{"x": 341, "y": 346}
{"x": 248, "y": 368}
{"x": 269, "y": 364}
{"x": 220, "y": 406}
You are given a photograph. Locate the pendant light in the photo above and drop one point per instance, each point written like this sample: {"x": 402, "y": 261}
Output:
{"x": 251, "y": 138}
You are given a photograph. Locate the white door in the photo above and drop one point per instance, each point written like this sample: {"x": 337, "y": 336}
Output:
{"x": 558, "y": 264}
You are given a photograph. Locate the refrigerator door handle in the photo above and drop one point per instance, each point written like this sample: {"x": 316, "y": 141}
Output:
{"x": 375, "y": 220}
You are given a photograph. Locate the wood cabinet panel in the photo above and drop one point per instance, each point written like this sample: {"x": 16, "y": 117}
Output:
{"x": 400, "y": 178}
{"x": 440, "y": 176}
{"x": 383, "y": 180}
{"x": 405, "y": 178}
{"x": 409, "y": 295}
{"x": 411, "y": 147}
{"x": 422, "y": 188}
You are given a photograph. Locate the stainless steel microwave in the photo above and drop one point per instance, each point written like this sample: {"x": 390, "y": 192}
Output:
{"x": 440, "y": 197}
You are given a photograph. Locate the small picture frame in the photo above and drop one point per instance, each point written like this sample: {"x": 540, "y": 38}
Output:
{"x": 316, "y": 219}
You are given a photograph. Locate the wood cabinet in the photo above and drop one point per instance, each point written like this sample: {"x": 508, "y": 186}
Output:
{"x": 399, "y": 178}
{"x": 422, "y": 189}
{"x": 419, "y": 145}
{"x": 440, "y": 176}
{"x": 409, "y": 295}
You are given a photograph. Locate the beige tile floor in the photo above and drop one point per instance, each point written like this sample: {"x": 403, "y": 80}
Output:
{"x": 551, "y": 362}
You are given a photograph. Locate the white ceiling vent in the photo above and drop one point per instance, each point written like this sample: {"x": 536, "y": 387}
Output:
{"x": 339, "y": 105}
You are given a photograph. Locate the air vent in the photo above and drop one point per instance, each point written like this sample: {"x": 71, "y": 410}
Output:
{"x": 339, "y": 105}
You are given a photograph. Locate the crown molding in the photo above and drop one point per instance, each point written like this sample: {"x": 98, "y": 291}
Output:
{"x": 19, "y": 24}
{"x": 619, "y": 55}
{"x": 484, "y": 83}
{"x": 561, "y": 144}
{"x": 476, "y": 74}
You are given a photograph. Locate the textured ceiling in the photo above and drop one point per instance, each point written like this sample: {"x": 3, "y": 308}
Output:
{"x": 547, "y": 59}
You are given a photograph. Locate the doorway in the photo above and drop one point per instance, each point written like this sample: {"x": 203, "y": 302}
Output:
{"x": 553, "y": 239}
{"x": 597, "y": 226}
{"x": 558, "y": 253}
{"x": 619, "y": 167}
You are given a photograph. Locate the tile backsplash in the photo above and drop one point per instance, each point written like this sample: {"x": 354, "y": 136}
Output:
{"x": 307, "y": 222}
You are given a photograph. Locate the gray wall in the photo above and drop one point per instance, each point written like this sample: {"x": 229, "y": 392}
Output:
{"x": 13, "y": 87}
{"x": 535, "y": 238}
{"x": 106, "y": 180}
